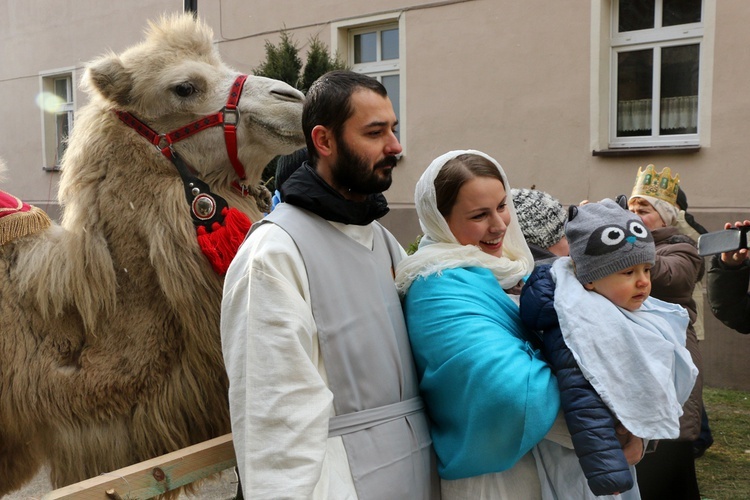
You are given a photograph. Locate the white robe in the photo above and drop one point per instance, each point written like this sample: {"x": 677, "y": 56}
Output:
{"x": 280, "y": 429}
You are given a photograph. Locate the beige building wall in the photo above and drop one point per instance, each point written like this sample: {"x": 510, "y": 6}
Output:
{"x": 523, "y": 81}
{"x": 526, "y": 82}
{"x": 40, "y": 37}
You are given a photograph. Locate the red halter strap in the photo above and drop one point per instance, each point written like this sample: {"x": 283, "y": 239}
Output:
{"x": 228, "y": 116}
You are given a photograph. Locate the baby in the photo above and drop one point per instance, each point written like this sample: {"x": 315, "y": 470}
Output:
{"x": 618, "y": 354}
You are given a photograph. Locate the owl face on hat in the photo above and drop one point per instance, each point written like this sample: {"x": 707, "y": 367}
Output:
{"x": 613, "y": 237}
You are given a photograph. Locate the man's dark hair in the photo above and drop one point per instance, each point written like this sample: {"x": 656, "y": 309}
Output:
{"x": 328, "y": 103}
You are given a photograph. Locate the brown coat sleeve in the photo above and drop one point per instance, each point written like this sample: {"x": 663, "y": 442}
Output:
{"x": 675, "y": 273}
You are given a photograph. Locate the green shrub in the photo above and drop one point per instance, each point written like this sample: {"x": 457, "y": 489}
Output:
{"x": 283, "y": 63}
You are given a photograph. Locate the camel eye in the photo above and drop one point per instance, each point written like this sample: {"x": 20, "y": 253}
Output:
{"x": 185, "y": 89}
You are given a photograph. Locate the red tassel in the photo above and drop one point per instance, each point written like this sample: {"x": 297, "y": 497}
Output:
{"x": 222, "y": 243}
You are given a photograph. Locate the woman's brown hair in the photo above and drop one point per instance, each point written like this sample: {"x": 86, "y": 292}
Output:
{"x": 455, "y": 173}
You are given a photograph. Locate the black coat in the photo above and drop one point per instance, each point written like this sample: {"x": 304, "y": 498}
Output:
{"x": 728, "y": 294}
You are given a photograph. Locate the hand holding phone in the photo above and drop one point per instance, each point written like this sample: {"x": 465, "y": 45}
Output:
{"x": 730, "y": 243}
{"x": 735, "y": 258}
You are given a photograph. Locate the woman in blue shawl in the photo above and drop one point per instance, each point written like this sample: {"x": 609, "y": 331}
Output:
{"x": 490, "y": 396}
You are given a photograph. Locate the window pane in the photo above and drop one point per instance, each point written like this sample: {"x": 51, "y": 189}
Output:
{"x": 679, "y": 89}
{"x": 681, "y": 12}
{"x": 635, "y": 15}
{"x": 389, "y": 44}
{"x": 391, "y": 84}
{"x": 365, "y": 49}
{"x": 635, "y": 72}
{"x": 61, "y": 89}
{"x": 62, "y": 131}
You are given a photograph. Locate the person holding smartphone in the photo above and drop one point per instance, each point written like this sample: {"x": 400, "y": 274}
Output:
{"x": 727, "y": 284}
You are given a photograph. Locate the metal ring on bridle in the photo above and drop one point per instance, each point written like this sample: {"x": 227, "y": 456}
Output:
{"x": 204, "y": 206}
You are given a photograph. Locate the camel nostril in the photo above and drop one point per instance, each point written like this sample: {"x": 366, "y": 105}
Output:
{"x": 289, "y": 94}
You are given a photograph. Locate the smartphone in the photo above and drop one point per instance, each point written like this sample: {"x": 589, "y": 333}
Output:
{"x": 728, "y": 240}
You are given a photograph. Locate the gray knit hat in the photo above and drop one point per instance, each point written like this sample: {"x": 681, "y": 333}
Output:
{"x": 605, "y": 238}
{"x": 541, "y": 217}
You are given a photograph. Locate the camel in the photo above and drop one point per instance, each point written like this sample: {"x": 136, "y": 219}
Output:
{"x": 110, "y": 352}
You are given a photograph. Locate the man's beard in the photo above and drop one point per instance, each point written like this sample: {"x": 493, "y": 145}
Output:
{"x": 353, "y": 172}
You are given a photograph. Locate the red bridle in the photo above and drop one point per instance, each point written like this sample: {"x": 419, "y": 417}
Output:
{"x": 228, "y": 117}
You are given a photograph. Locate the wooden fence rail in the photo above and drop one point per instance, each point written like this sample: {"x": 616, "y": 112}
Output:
{"x": 156, "y": 476}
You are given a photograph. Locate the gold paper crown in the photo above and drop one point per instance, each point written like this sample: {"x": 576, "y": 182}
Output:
{"x": 657, "y": 185}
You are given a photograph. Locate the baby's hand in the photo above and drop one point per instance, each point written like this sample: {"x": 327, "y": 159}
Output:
{"x": 632, "y": 445}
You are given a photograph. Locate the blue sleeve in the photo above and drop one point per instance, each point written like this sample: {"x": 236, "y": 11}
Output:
{"x": 489, "y": 394}
{"x": 591, "y": 424}
{"x": 275, "y": 199}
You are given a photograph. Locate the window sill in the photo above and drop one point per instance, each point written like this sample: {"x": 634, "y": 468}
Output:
{"x": 646, "y": 151}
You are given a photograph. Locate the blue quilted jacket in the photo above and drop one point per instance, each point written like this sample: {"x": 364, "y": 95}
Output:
{"x": 591, "y": 424}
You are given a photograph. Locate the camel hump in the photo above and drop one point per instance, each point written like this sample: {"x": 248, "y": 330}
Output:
{"x": 19, "y": 219}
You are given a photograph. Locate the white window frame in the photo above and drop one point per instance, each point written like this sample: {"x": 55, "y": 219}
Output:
{"x": 379, "y": 67}
{"x": 342, "y": 42}
{"x": 51, "y": 143}
{"x": 604, "y": 74}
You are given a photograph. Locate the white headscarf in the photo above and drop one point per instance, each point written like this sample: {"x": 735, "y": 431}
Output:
{"x": 439, "y": 248}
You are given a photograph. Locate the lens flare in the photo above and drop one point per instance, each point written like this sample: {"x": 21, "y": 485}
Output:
{"x": 49, "y": 102}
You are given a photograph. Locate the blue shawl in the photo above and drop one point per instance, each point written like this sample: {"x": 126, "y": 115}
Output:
{"x": 489, "y": 394}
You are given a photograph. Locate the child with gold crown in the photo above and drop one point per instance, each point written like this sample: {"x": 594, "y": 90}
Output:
{"x": 670, "y": 471}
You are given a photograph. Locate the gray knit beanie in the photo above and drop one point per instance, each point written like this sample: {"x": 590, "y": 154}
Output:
{"x": 541, "y": 217}
{"x": 605, "y": 238}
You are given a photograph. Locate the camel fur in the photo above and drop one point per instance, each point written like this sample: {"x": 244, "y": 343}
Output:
{"x": 110, "y": 352}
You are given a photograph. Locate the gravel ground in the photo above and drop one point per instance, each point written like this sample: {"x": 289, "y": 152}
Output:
{"x": 222, "y": 488}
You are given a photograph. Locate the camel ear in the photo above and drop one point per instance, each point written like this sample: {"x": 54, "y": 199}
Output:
{"x": 110, "y": 78}
{"x": 572, "y": 212}
{"x": 622, "y": 200}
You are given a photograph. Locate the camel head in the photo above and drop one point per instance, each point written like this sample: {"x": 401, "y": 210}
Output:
{"x": 175, "y": 77}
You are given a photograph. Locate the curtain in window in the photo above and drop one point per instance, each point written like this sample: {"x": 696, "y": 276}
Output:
{"x": 634, "y": 115}
{"x": 676, "y": 113}
{"x": 679, "y": 112}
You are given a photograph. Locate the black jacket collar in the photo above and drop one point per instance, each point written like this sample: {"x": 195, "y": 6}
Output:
{"x": 306, "y": 189}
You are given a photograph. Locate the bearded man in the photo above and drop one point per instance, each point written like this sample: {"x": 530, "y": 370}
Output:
{"x": 322, "y": 387}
